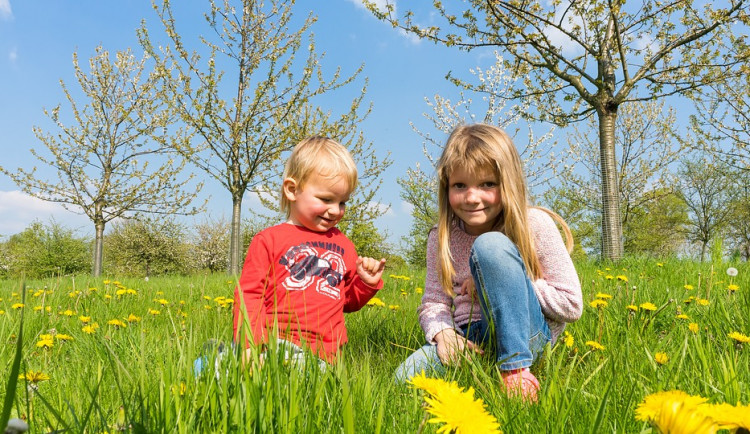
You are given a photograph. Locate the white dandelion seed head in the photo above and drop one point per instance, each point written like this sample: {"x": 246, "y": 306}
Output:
{"x": 16, "y": 425}
{"x": 732, "y": 271}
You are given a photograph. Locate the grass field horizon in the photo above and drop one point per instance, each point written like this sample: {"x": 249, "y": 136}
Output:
{"x": 109, "y": 354}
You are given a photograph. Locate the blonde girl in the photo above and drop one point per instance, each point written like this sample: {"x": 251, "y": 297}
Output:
{"x": 499, "y": 275}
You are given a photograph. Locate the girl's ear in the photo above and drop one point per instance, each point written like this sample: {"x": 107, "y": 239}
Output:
{"x": 289, "y": 187}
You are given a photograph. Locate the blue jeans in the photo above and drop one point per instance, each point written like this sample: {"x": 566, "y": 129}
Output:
{"x": 512, "y": 324}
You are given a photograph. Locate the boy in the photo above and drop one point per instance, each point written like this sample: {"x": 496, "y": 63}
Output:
{"x": 302, "y": 275}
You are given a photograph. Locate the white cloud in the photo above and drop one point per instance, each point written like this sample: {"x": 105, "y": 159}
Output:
{"x": 18, "y": 210}
{"x": 386, "y": 209}
{"x": 406, "y": 207}
{"x": 5, "y": 11}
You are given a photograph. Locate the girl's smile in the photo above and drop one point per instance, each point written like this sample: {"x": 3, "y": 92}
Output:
{"x": 475, "y": 199}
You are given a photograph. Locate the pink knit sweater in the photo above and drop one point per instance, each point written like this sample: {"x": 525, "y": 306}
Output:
{"x": 558, "y": 291}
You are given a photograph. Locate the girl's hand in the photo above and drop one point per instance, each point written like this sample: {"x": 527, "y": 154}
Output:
{"x": 450, "y": 345}
{"x": 467, "y": 288}
{"x": 370, "y": 270}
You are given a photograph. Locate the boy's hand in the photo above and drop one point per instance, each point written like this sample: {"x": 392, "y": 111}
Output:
{"x": 370, "y": 270}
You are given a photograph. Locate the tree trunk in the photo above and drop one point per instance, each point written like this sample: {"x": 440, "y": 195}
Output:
{"x": 611, "y": 224}
{"x": 235, "y": 237}
{"x": 98, "y": 248}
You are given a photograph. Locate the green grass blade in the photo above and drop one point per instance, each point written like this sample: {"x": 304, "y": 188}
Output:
{"x": 10, "y": 388}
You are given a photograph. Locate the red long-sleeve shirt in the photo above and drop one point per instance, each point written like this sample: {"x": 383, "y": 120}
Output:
{"x": 302, "y": 282}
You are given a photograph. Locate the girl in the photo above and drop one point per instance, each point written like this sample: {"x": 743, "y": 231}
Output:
{"x": 498, "y": 271}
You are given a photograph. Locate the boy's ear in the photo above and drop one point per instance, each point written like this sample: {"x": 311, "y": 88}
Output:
{"x": 289, "y": 187}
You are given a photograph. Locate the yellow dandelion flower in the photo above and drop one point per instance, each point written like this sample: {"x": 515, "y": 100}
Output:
{"x": 661, "y": 358}
{"x": 603, "y": 296}
{"x": 430, "y": 385}
{"x": 106, "y": 282}
{"x": 659, "y": 264}
{"x": 116, "y": 323}
{"x": 693, "y": 327}
{"x": 162, "y": 302}
{"x": 418, "y": 290}
{"x": 689, "y": 299}
{"x": 688, "y": 287}
{"x": 206, "y": 297}
{"x": 732, "y": 287}
{"x": 682, "y": 316}
{"x": 68, "y": 312}
{"x": 455, "y": 408}
{"x": 648, "y": 306}
{"x": 38, "y": 308}
{"x": 45, "y": 343}
{"x": 609, "y": 277}
{"x": 568, "y": 340}
{"x": 17, "y": 306}
{"x": 34, "y": 376}
{"x": 394, "y": 307}
{"x": 676, "y": 412}
{"x": 179, "y": 389}
{"x": 632, "y": 308}
{"x": 2, "y": 312}
{"x": 739, "y": 337}
{"x": 622, "y": 277}
{"x": 133, "y": 318}
{"x": 63, "y": 337}
{"x": 84, "y": 319}
{"x": 702, "y": 302}
{"x": 107, "y": 297}
{"x": 131, "y": 291}
{"x": 207, "y": 307}
{"x": 730, "y": 417}
{"x": 598, "y": 303}
{"x": 375, "y": 301}
{"x": 595, "y": 346}
{"x": 89, "y": 329}
{"x": 120, "y": 292}
{"x": 154, "y": 312}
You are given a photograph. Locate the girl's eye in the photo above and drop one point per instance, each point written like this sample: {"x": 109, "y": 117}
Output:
{"x": 489, "y": 184}
{"x": 459, "y": 185}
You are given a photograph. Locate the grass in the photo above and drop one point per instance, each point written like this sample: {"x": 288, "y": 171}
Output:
{"x": 139, "y": 377}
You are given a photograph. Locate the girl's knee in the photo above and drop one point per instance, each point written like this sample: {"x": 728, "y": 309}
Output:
{"x": 493, "y": 240}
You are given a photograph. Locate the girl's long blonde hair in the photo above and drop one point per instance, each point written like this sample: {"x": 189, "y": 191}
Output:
{"x": 473, "y": 148}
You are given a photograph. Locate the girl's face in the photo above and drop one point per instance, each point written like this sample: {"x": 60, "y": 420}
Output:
{"x": 320, "y": 204}
{"x": 475, "y": 199}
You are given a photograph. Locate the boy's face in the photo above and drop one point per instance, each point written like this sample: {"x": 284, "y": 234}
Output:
{"x": 320, "y": 204}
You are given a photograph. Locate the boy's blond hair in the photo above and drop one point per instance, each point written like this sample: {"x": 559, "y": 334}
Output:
{"x": 322, "y": 155}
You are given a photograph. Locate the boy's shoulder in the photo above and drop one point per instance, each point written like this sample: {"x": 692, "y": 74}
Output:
{"x": 301, "y": 233}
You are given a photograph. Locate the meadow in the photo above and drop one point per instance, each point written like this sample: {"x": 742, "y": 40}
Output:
{"x": 109, "y": 355}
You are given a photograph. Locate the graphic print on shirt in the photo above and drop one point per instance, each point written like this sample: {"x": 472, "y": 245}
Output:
{"x": 307, "y": 269}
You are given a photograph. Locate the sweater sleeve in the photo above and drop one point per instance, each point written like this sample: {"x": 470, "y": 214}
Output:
{"x": 436, "y": 310}
{"x": 249, "y": 295}
{"x": 559, "y": 289}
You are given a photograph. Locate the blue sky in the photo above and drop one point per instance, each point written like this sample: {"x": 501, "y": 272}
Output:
{"x": 38, "y": 38}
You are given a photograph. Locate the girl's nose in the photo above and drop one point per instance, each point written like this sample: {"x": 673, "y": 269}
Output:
{"x": 471, "y": 195}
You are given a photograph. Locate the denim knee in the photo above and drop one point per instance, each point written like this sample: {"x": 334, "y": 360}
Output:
{"x": 494, "y": 243}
